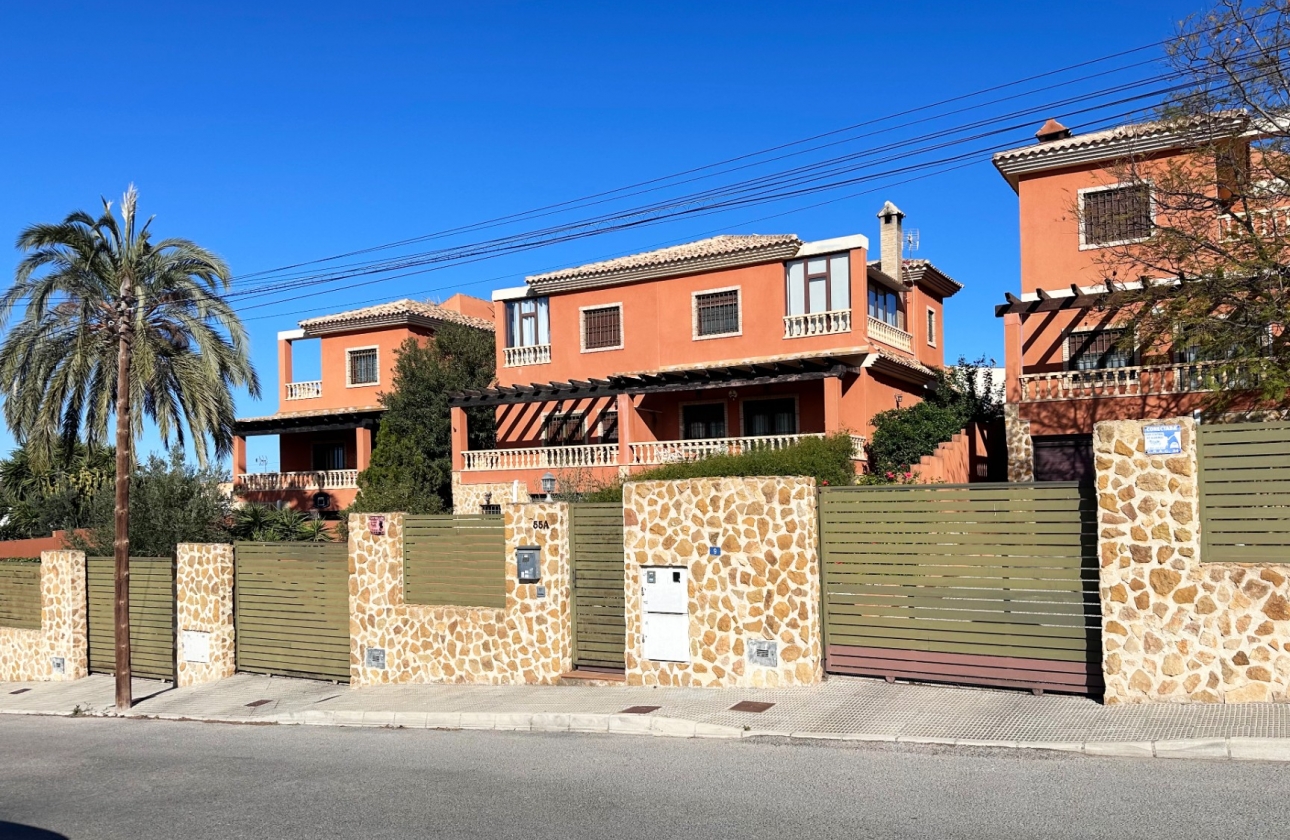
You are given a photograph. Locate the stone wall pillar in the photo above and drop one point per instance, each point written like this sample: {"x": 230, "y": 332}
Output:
{"x": 526, "y": 641}
{"x": 761, "y": 584}
{"x": 204, "y": 613}
{"x": 1021, "y": 450}
{"x": 64, "y": 626}
{"x": 1174, "y": 628}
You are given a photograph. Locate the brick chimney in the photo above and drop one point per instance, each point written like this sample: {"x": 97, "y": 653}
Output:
{"x": 891, "y": 241}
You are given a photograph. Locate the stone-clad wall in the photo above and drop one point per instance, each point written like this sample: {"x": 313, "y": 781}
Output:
{"x": 1174, "y": 628}
{"x": 64, "y": 625}
{"x": 1021, "y": 449}
{"x": 204, "y": 607}
{"x": 467, "y": 498}
{"x": 527, "y": 641}
{"x": 765, "y": 584}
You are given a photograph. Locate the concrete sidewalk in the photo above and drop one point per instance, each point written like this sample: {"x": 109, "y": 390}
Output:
{"x": 849, "y": 709}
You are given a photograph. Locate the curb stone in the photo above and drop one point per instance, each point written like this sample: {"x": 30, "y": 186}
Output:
{"x": 1204, "y": 749}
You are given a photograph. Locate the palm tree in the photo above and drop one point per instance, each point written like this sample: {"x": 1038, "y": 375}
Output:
{"x": 109, "y": 317}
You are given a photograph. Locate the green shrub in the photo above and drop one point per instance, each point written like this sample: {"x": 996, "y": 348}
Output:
{"x": 827, "y": 460}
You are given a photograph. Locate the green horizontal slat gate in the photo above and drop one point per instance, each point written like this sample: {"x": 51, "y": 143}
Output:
{"x": 599, "y": 623}
{"x": 152, "y": 616}
{"x": 984, "y": 584}
{"x": 1245, "y": 492}
{"x": 291, "y": 609}
{"x": 20, "y": 594}
{"x": 457, "y": 561}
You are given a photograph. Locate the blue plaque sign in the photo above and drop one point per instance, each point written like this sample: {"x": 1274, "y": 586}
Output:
{"x": 1163, "y": 440}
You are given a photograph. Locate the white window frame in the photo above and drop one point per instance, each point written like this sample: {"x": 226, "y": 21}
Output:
{"x": 349, "y": 368}
{"x": 1151, "y": 203}
{"x": 932, "y": 326}
{"x": 582, "y": 327}
{"x": 694, "y": 316}
{"x": 797, "y": 410}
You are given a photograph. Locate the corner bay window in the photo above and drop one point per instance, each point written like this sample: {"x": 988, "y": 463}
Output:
{"x": 821, "y": 284}
{"x": 1114, "y": 215}
{"x": 528, "y": 323}
{"x": 716, "y": 313}
{"x": 885, "y": 306}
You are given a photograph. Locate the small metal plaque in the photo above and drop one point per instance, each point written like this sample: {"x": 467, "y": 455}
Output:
{"x": 714, "y": 551}
{"x": 1163, "y": 440}
{"x": 375, "y": 658}
{"x": 195, "y": 646}
{"x": 763, "y": 652}
{"x": 59, "y": 664}
{"x": 541, "y": 591}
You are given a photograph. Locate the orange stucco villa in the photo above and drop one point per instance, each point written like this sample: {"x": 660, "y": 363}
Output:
{"x": 326, "y": 427}
{"x": 1065, "y": 370}
{"x": 702, "y": 348}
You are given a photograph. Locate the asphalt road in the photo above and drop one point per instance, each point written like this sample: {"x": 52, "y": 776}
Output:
{"x": 95, "y": 778}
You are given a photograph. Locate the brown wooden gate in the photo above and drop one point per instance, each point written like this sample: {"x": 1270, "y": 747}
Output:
{"x": 152, "y": 616}
{"x": 1245, "y": 492}
{"x": 291, "y": 609}
{"x": 599, "y": 620}
{"x": 984, "y": 584}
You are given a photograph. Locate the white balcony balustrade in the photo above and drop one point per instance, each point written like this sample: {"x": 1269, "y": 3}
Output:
{"x": 891, "y": 336}
{"x": 542, "y": 457}
{"x": 1146, "y": 380}
{"x": 534, "y": 354}
{"x": 312, "y": 480}
{"x": 651, "y": 453}
{"x": 817, "y": 323}
{"x": 304, "y": 390}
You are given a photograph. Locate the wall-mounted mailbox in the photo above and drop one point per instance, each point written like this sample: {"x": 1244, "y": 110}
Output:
{"x": 665, "y": 604}
{"x": 527, "y": 564}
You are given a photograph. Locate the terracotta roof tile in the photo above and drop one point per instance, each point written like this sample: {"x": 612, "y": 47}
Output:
{"x": 727, "y": 245}
{"x": 395, "y": 310}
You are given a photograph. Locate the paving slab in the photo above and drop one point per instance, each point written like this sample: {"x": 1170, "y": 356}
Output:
{"x": 840, "y": 709}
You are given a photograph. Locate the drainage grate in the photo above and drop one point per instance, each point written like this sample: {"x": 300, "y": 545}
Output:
{"x": 639, "y": 710}
{"x": 20, "y": 691}
{"x": 754, "y": 706}
{"x": 254, "y": 703}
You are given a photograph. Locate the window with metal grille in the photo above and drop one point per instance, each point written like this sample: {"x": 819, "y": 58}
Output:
{"x": 609, "y": 426}
{"x": 1097, "y": 350}
{"x": 717, "y": 313}
{"x": 1120, "y": 214}
{"x": 931, "y": 327}
{"x": 565, "y": 428}
{"x": 602, "y": 328}
{"x": 361, "y": 366}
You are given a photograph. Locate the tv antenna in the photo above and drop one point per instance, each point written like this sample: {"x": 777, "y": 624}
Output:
{"x": 911, "y": 241}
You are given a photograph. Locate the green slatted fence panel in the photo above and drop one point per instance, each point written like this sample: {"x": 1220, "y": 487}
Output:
{"x": 454, "y": 561}
{"x": 1245, "y": 492}
{"x": 599, "y": 622}
{"x": 20, "y": 594}
{"x": 152, "y": 616}
{"x": 291, "y": 609}
{"x": 989, "y": 583}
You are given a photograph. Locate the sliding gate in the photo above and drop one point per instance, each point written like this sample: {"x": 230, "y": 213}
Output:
{"x": 291, "y": 609}
{"x": 982, "y": 584}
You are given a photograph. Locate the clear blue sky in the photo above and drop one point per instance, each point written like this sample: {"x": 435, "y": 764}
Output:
{"x": 280, "y": 132}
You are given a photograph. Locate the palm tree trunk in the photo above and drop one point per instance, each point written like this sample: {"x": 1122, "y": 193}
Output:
{"x": 121, "y": 543}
